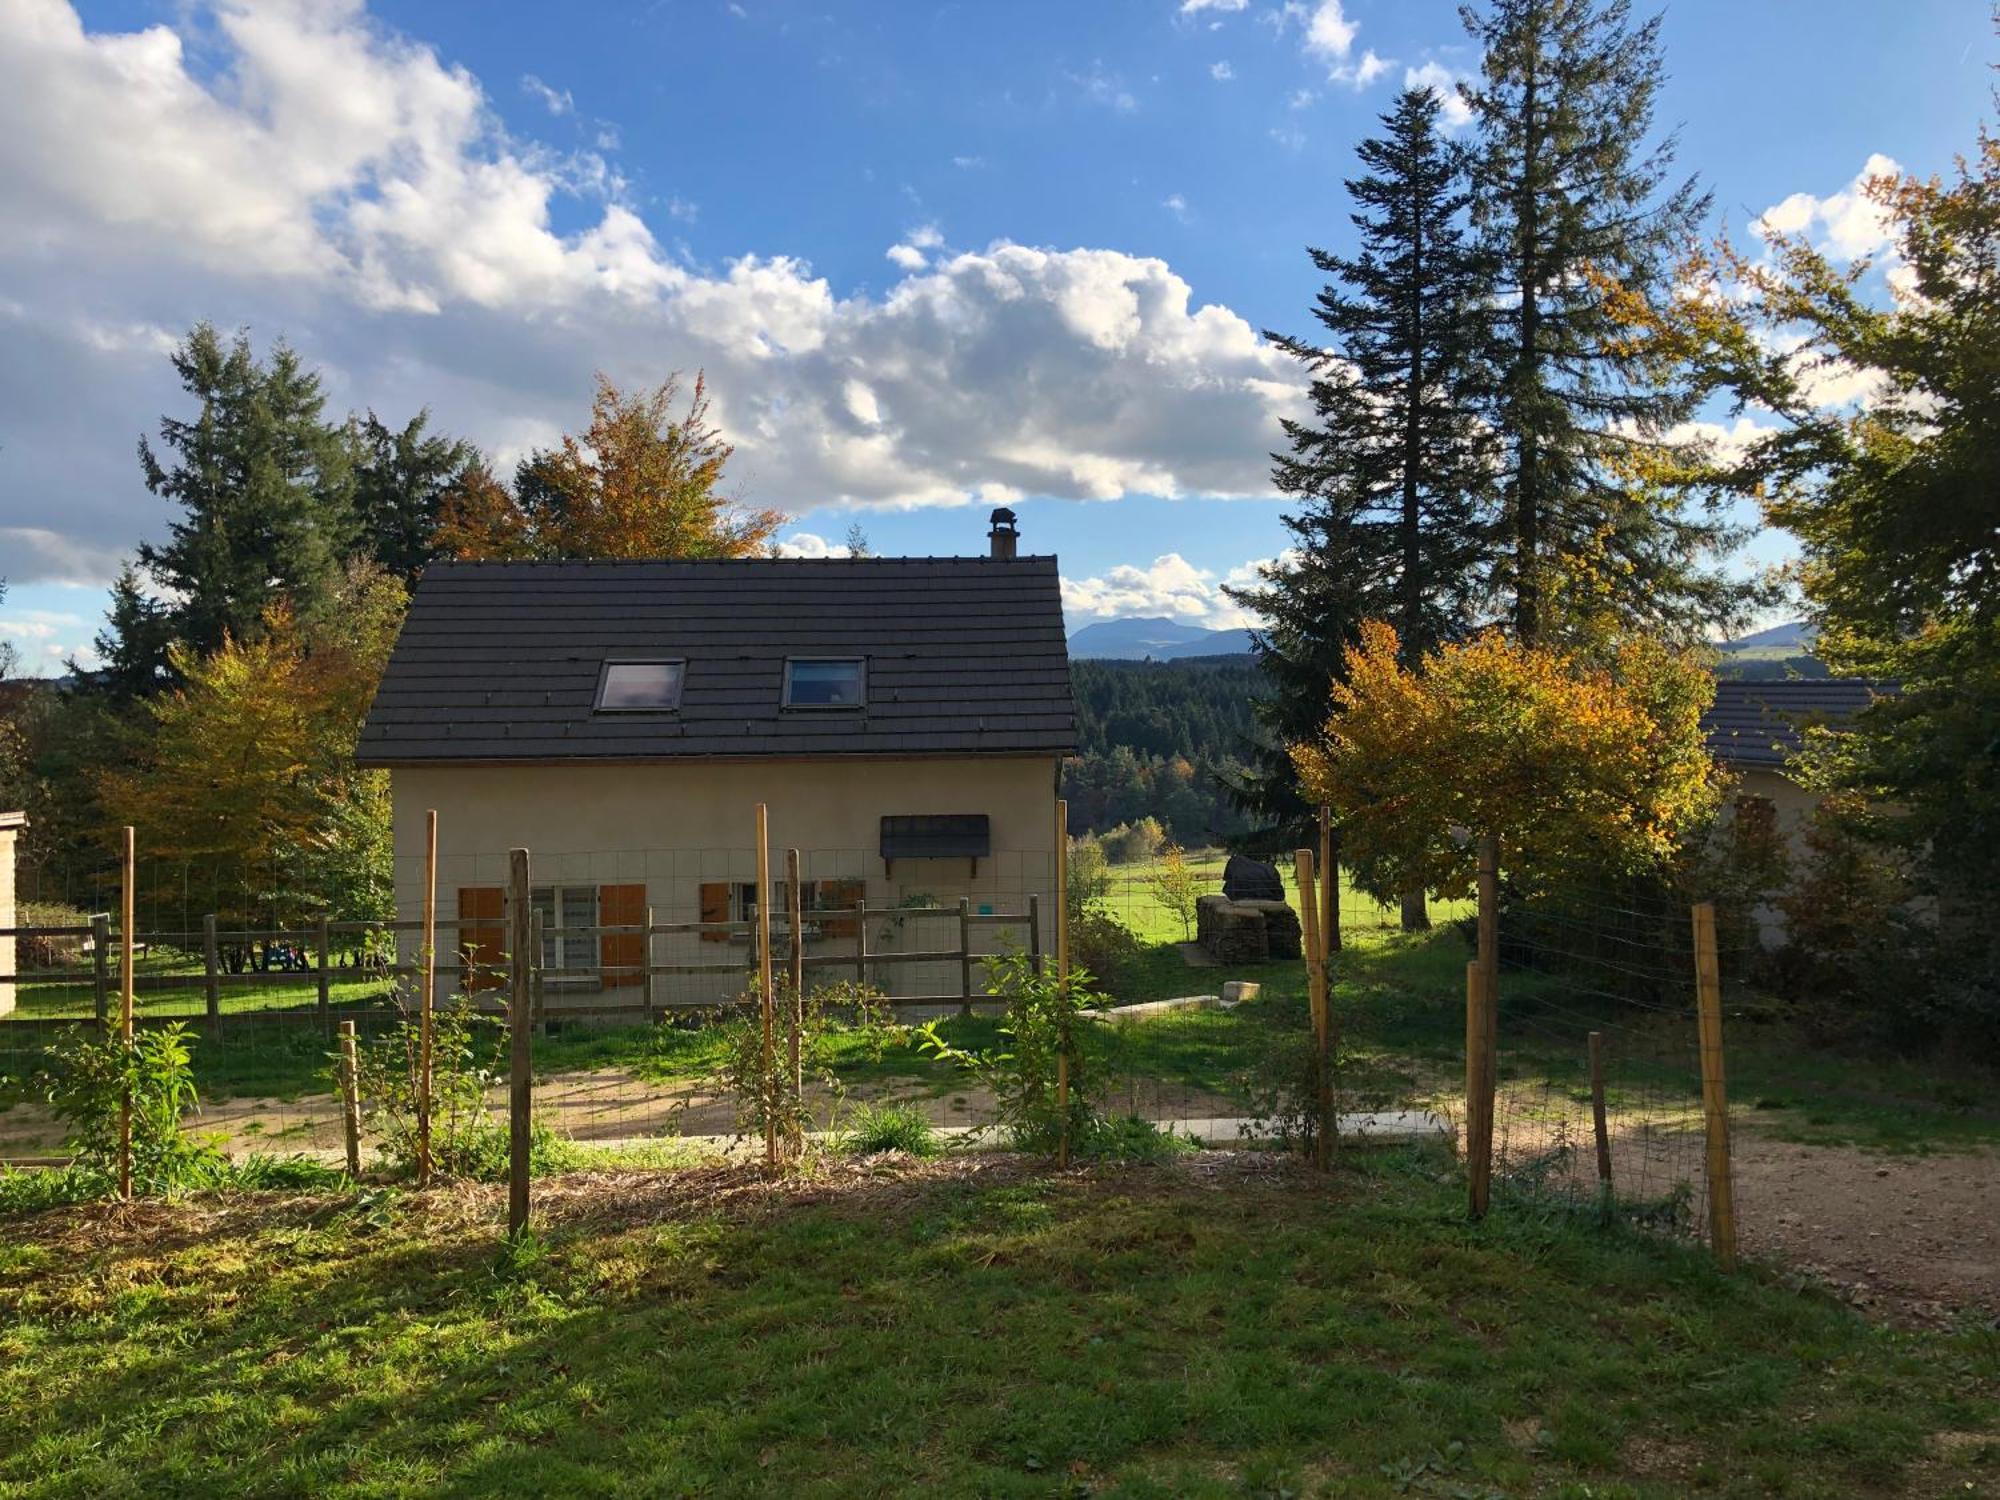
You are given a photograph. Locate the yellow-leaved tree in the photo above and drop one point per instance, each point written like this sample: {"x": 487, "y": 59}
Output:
{"x": 640, "y": 482}
{"x": 241, "y": 785}
{"x": 1578, "y": 768}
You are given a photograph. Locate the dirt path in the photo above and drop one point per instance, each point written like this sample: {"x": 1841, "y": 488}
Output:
{"x": 1912, "y": 1238}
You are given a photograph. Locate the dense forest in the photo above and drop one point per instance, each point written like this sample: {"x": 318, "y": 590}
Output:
{"x": 1162, "y": 739}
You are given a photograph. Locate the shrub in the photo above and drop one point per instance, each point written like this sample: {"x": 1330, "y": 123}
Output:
{"x": 1177, "y": 886}
{"x": 86, "y": 1083}
{"x": 32, "y": 1190}
{"x": 1040, "y": 1018}
{"x": 1102, "y": 945}
{"x": 1853, "y": 964}
{"x": 891, "y": 1127}
{"x": 769, "y": 1092}
{"x": 263, "y": 1172}
{"x": 1089, "y": 875}
{"x": 1129, "y": 1138}
{"x": 1133, "y": 843}
{"x": 466, "y": 1140}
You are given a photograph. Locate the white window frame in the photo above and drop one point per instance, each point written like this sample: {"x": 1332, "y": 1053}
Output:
{"x": 560, "y": 947}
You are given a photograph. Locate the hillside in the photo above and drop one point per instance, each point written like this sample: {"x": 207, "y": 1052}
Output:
{"x": 1156, "y": 737}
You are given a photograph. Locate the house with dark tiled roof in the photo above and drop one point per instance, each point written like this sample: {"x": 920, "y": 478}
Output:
{"x": 903, "y": 719}
{"x": 1755, "y": 729}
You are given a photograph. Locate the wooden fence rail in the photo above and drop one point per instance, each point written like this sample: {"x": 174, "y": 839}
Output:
{"x": 320, "y": 970}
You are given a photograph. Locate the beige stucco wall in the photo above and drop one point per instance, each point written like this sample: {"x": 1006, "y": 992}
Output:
{"x": 1793, "y": 802}
{"x": 1794, "y": 808}
{"x": 673, "y": 827}
{"x": 10, "y": 824}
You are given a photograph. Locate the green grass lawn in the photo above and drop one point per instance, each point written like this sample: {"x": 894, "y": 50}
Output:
{"x": 1231, "y": 1327}
{"x": 168, "y": 982}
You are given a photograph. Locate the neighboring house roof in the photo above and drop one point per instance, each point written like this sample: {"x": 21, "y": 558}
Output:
{"x": 1759, "y": 723}
{"x": 502, "y": 661}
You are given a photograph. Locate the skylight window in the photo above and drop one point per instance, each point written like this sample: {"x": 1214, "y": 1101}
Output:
{"x": 824, "y": 682}
{"x": 640, "y": 686}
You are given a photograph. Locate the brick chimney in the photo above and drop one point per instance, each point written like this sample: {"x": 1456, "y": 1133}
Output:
{"x": 1004, "y": 535}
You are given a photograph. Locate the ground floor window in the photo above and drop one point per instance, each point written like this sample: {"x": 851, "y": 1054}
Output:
{"x": 563, "y": 909}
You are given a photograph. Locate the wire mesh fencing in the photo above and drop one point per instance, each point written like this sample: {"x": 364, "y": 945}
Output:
{"x": 1608, "y": 1084}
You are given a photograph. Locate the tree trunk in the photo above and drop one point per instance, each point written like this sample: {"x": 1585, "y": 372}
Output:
{"x": 1416, "y": 914}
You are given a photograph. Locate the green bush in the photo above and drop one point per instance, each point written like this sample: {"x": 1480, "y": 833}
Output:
{"x": 769, "y": 1092}
{"x": 466, "y": 1139}
{"x": 891, "y": 1127}
{"x": 1133, "y": 843}
{"x": 87, "y": 1080}
{"x": 32, "y": 1190}
{"x": 1129, "y": 1138}
{"x": 1040, "y": 1020}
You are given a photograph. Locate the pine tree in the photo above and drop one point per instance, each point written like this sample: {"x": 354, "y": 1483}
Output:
{"x": 400, "y": 480}
{"x": 1392, "y": 471}
{"x": 1582, "y": 230}
{"x": 265, "y": 488}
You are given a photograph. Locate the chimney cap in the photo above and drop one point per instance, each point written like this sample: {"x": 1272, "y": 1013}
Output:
{"x": 1003, "y": 516}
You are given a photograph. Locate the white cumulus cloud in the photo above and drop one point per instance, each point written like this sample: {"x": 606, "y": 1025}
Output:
{"x": 1847, "y": 223}
{"x": 325, "y": 177}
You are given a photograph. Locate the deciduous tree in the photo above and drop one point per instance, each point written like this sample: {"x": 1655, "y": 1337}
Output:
{"x": 242, "y": 781}
{"x": 1578, "y": 768}
{"x": 641, "y": 482}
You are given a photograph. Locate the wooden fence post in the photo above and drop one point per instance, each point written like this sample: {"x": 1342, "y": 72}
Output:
{"x": 521, "y": 1034}
{"x": 350, "y": 1097}
{"x": 1035, "y": 933}
{"x": 965, "y": 955}
{"x": 100, "y": 963}
{"x": 1315, "y": 958}
{"x": 1482, "y": 998}
{"x": 426, "y": 998}
{"x": 796, "y": 916}
{"x": 323, "y": 953}
{"x": 649, "y": 987}
{"x": 127, "y": 909}
{"x": 211, "y": 974}
{"x": 768, "y": 1001}
{"x": 1062, "y": 978}
{"x": 1329, "y": 894}
{"x": 1714, "y": 1096}
{"x": 1597, "y": 1120}
{"x": 861, "y": 941}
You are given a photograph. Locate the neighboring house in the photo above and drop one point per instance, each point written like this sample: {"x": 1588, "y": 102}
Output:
{"x": 904, "y": 719}
{"x": 11, "y": 824}
{"x": 1756, "y": 728}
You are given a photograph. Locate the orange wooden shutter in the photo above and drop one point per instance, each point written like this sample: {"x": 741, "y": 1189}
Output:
{"x": 622, "y": 955}
{"x": 482, "y": 949}
{"x": 714, "y": 908}
{"x": 839, "y": 896}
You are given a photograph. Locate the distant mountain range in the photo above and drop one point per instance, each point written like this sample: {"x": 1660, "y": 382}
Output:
{"x": 1795, "y": 636}
{"x": 1159, "y": 639}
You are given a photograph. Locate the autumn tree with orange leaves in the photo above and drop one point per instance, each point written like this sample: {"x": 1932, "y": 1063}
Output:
{"x": 1577, "y": 768}
{"x": 640, "y": 482}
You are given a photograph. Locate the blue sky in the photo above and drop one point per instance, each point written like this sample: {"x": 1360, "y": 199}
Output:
{"x": 932, "y": 256}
